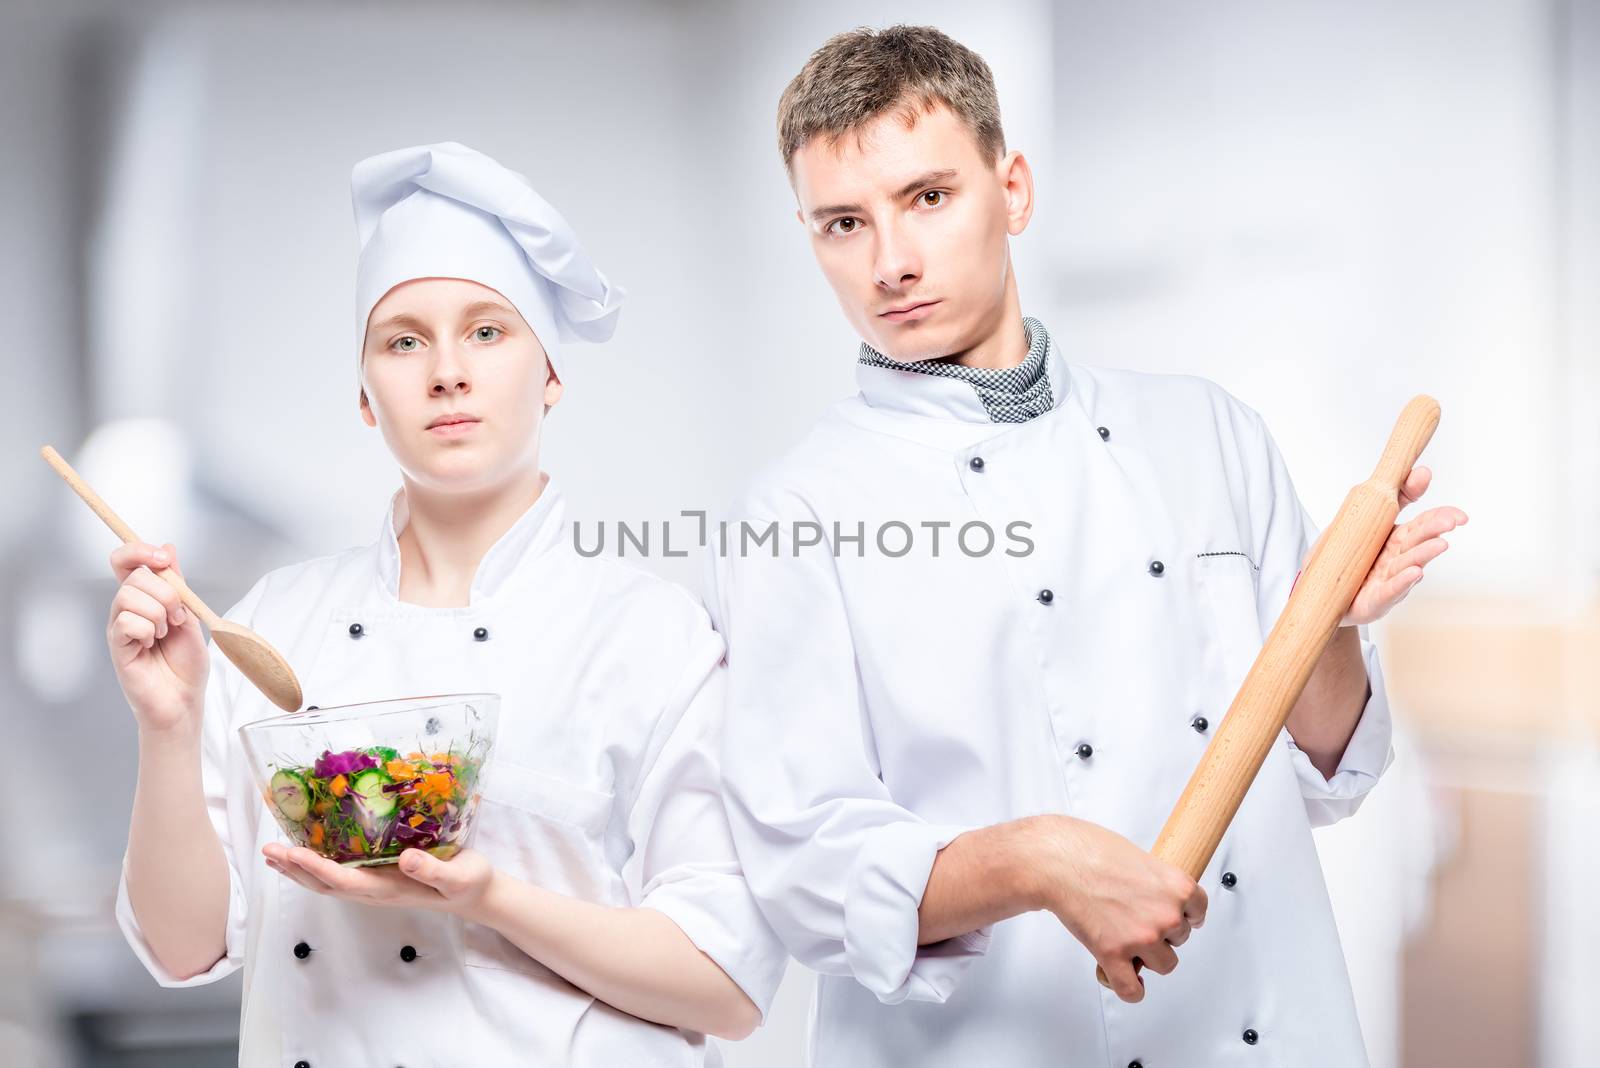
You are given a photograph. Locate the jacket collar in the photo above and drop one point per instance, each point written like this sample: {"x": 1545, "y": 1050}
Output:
{"x": 915, "y": 393}
{"x": 536, "y": 531}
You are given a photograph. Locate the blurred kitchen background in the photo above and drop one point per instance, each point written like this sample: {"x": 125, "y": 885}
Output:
{"x": 1326, "y": 207}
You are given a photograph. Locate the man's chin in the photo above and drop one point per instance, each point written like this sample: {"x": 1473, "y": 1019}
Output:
{"x": 911, "y": 343}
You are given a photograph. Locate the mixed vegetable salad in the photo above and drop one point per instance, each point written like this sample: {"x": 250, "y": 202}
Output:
{"x": 367, "y": 806}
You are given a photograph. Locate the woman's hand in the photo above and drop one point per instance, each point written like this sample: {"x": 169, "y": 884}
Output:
{"x": 156, "y": 645}
{"x": 1410, "y": 548}
{"x": 420, "y": 880}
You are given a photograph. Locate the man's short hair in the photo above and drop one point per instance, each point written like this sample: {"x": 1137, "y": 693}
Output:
{"x": 861, "y": 74}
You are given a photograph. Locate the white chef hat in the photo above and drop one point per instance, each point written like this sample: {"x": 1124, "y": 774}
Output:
{"x": 447, "y": 211}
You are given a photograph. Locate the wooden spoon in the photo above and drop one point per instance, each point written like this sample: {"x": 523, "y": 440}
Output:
{"x": 250, "y": 652}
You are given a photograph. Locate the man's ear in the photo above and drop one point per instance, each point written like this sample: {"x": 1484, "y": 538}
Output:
{"x": 1016, "y": 182}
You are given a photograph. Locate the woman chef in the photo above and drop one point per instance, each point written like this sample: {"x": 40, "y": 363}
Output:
{"x": 602, "y": 919}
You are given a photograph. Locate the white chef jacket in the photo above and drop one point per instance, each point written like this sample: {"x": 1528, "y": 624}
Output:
{"x": 603, "y": 785}
{"x": 879, "y": 705}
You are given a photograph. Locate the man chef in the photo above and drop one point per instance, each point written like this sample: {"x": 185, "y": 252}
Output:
{"x": 601, "y": 919}
{"x": 984, "y": 619}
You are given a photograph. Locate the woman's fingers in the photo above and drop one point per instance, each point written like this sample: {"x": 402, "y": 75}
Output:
{"x": 125, "y": 558}
{"x": 130, "y": 628}
{"x": 161, "y": 591}
{"x": 130, "y": 599}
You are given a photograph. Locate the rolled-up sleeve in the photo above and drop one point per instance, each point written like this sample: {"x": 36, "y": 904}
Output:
{"x": 216, "y": 737}
{"x": 838, "y": 866}
{"x": 683, "y": 862}
{"x": 1285, "y": 534}
{"x": 217, "y": 756}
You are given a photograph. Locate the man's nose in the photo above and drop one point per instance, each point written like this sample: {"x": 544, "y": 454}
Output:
{"x": 896, "y": 264}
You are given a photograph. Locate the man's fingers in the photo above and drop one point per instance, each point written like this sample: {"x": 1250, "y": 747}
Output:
{"x": 1125, "y": 982}
{"x": 1178, "y": 935}
{"x": 1159, "y": 958}
{"x": 1420, "y": 555}
{"x": 1194, "y": 907}
{"x": 1415, "y": 485}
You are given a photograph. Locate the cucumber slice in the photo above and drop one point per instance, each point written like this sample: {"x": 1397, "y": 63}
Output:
{"x": 368, "y": 785}
{"x": 291, "y": 794}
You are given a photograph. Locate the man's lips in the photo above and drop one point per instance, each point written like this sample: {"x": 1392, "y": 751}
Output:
{"x": 908, "y": 312}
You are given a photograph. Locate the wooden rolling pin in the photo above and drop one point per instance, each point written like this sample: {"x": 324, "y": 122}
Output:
{"x": 1329, "y": 581}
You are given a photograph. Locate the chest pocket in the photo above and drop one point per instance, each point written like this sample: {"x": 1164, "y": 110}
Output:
{"x": 544, "y": 830}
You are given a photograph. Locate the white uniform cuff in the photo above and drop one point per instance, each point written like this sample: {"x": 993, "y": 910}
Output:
{"x": 717, "y": 912}
{"x": 229, "y": 962}
{"x": 1367, "y": 756}
{"x": 880, "y": 917}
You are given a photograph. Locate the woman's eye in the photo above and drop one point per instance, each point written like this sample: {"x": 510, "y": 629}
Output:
{"x": 846, "y": 225}
{"x": 487, "y": 333}
{"x": 406, "y": 344}
{"x": 938, "y": 196}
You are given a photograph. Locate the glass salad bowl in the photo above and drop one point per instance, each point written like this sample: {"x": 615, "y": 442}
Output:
{"x": 360, "y": 784}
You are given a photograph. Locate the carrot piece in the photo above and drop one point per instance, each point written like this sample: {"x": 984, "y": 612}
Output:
{"x": 338, "y": 785}
{"x": 316, "y": 834}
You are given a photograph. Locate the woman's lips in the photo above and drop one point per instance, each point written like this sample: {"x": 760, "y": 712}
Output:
{"x": 918, "y": 311}
{"x": 454, "y": 430}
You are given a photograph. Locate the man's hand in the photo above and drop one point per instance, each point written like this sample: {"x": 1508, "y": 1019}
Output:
{"x": 419, "y": 880}
{"x": 1118, "y": 900}
{"x": 1411, "y": 546}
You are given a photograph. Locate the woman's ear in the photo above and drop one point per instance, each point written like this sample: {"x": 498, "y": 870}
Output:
{"x": 552, "y": 387}
{"x": 366, "y": 411}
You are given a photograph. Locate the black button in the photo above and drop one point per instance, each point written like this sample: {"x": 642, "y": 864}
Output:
{"x": 1105, "y": 435}
{"x": 408, "y": 953}
{"x": 302, "y": 950}
{"x": 1046, "y": 596}
{"x": 355, "y": 630}
{"x": 311, "y": 708}
{"x": 976, "y": 463}
{"x": 481, "y": 634}
{"x": 302, "y": 1064}
{"x": 1135, "y": 1064}
{"x": 1085, "y": 751}
{"x": 1199, "y": 723}
{"x": 1229, "y": 880}
{"x": 1250, "y": 1036}
{"x": 1157, "y": 567}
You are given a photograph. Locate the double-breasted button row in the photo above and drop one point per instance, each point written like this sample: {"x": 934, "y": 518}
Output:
{"x": 480, "y": 634}
{"x": 1047, "y": 596}
{"x": 302, "y": 950}
{"x": 1251, "y": 1036}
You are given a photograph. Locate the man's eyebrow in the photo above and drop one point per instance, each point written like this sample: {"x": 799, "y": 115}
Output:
{"x": 930, "y": 178}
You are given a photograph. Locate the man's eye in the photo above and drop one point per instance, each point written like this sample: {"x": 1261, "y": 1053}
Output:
{"x": 938, "y": 196}
{"x": 405, "y": 344}
{"x": 487, "y": 333}
{"x": 846, "y": 225}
